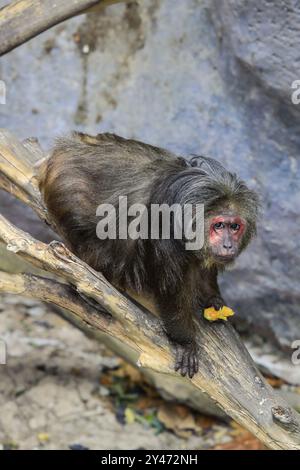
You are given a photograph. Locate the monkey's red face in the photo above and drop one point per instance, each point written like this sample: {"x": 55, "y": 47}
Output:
{"x": 225, "y": 235}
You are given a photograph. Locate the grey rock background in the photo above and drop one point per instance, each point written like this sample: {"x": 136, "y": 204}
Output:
{"x": 207, "y": 77}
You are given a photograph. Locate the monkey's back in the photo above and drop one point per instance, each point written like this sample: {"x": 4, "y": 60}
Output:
{"x": 83, "y": 172}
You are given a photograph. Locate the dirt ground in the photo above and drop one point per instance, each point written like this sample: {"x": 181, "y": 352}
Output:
{"x": 61, "y": 390}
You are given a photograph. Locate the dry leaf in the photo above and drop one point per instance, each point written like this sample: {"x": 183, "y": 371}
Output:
{"x": 275, "y": 382}
{"x": 129, "y": 415}
{"x": 126, "y": 370}
{"x": 178, "y": 419}
{"x": 106, "y": 380}
{"x": 244, "y": 442}
{"x": 43, "y": 437}
{"x": 205, "y": 422}
{"x": 146, "y": 402}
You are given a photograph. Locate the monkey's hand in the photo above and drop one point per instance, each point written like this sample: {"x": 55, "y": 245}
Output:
{"x": 186, "y": 359}
{"x": 216, "y": 302}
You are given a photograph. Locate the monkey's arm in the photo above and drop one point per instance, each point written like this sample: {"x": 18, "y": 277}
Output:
{"x": 177, "y": 314}
{"x": 208, "y": 290}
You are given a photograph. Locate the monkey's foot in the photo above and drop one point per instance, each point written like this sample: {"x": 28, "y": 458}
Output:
{"x": 186, "y": 360}
{"x": 211, "y": 314}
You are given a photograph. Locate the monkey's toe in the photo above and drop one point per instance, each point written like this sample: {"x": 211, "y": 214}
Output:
{"x": 186, "y": 360}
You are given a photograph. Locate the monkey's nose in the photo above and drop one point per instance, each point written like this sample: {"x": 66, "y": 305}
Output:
{"x": 227, "y": 246}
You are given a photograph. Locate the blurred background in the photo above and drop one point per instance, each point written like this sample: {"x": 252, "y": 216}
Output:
{"x": 209, "y": 77}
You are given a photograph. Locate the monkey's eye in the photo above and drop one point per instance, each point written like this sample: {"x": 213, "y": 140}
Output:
{"x": 235, "y": 227}
{"x": 219, "y": 225}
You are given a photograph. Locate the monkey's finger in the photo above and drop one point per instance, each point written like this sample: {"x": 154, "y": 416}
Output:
{"x": 185, "y": 364}
{"x": 178, "y": 359}
{"x": 180, "y": 363}
{"x": 191, "y": 368}
{"x": 196, "y": 363}
{"x": 180, "y": 367}
{"x": 184, "y": 372}
{"x": 177, "y": 366}
{"x": 192, "y": 365}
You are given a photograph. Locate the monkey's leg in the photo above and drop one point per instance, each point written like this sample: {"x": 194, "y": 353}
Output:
{"x": 179, "y": 327}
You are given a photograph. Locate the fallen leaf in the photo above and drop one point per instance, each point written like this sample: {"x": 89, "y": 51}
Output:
{"x": 146, "y": 402}
{"x": 126, "y": 370}
{"x": 244, "y": 442}
{"x": 106, "y": 380}
{"x": 43, "y": 437}
{"x": 129, "y": 416}
{"x": 205, "y": 422}
{"x": 178, "y": 419}
{"x": 275, "y": 382}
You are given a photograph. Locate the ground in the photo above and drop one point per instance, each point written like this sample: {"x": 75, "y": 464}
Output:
{"x": 61, "y": 390}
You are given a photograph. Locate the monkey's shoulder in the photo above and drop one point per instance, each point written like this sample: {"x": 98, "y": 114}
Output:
{"x": 110, "y": 147}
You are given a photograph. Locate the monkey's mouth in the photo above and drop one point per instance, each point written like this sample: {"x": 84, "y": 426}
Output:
{"x": 225, "y": 258}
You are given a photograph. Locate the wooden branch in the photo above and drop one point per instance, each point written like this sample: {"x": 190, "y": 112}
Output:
{"x": 17, "y": 175}
{"x": 227, "y": 373}
{"x": 61, "y": 295}
{"x": 22, "y": 20}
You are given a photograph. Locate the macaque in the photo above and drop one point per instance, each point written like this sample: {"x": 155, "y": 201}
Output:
{"x": 85, "y": 171}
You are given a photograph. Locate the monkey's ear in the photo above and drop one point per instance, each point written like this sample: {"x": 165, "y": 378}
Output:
{"x": 210, "y": 166}
{"x": 196, "y": 160}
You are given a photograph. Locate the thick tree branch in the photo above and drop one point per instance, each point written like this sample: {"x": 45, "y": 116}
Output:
{"x": 22, "y": 20}
{"x": 227, "y": 373}
{"x": 61, "y": 295}
{"x": 17, "y": 175}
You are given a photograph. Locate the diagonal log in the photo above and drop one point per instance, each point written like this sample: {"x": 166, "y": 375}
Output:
{"x": 22, "y": 20}
{"x": 227, "y": 372}
{"x": 62, "y": 295}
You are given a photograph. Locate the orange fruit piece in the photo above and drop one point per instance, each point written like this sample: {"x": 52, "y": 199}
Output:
{"x": 211, "y": 314}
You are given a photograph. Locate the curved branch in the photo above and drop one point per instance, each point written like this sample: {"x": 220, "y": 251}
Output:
{"x": 22, "y": 20}
{"x": 61, "y": 295}
{"x": 227, "y": 372}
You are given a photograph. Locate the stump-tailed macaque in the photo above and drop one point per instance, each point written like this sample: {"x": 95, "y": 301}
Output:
{"x": 83, "y": 172}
